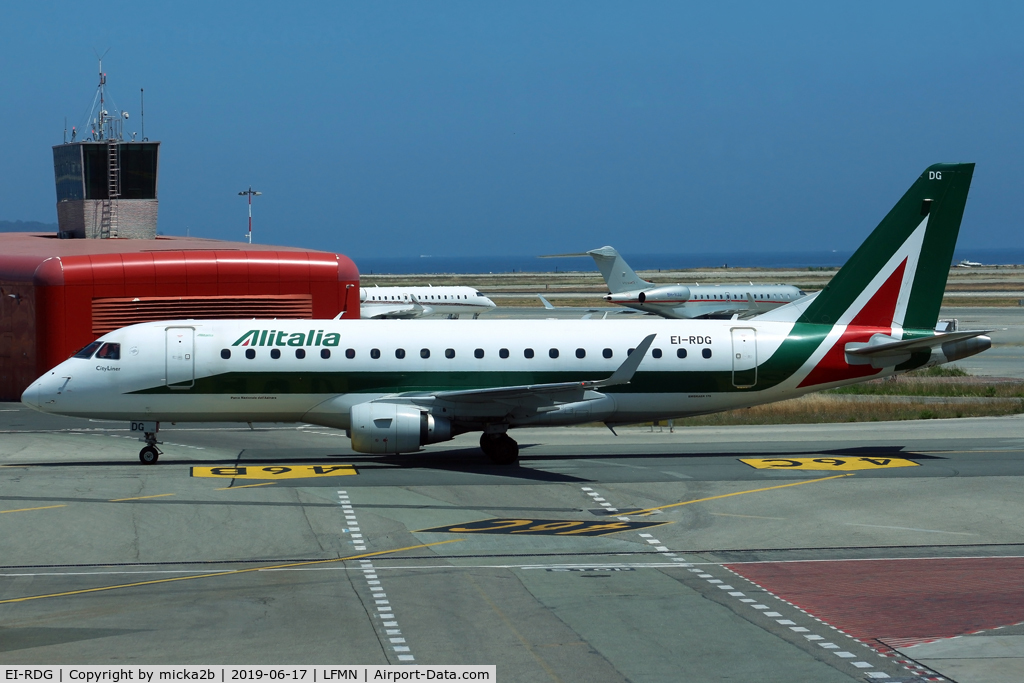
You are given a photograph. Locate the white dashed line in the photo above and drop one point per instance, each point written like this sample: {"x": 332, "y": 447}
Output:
{"x": 793, "y": 626}
{"x": 741, "y": 596}
{"x": 385, "y": 612}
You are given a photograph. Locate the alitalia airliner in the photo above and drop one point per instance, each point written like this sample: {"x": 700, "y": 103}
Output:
{"x": 396, "y": 386}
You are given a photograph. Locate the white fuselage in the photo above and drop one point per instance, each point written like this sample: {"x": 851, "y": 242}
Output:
{"x": 417, "y": 302}
{"x": 694, "y": 301}
{"x": 177, "y": 370}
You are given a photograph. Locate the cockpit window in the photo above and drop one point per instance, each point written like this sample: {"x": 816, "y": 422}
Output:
{"x": 110, "y": 351}
{"x": 88, "y": 350}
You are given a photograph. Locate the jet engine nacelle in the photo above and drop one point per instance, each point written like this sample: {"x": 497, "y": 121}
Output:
{"x": 670, "y": 294}
{"x": 394, "y": 428}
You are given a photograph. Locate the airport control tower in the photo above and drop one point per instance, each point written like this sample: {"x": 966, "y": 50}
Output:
{"x": 106, "y": 185}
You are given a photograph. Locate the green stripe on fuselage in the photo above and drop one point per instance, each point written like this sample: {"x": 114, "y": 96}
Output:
{"x": 792, "y": 354}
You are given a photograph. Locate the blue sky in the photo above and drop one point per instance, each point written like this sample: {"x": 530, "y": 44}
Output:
{"x": 526, "y": 128}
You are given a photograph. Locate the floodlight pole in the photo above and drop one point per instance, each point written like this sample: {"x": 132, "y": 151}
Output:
{"x": 251, "y": 193}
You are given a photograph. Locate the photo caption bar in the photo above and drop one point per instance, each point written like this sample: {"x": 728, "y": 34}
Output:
{"x": 230, "y": 674}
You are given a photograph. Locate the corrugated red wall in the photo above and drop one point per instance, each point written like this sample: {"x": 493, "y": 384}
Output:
{"x": 62, "y": 288}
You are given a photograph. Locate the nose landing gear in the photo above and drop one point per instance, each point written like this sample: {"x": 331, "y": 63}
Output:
{"x": 502, "y": 449}
{"x": 149, "y": 453}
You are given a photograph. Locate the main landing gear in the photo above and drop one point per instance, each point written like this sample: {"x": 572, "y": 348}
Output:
{"x": 149, "y": 453}
{"x": 502, "y": 449}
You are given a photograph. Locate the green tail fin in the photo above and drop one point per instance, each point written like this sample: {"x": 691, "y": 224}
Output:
{"x": 898, "y": 275}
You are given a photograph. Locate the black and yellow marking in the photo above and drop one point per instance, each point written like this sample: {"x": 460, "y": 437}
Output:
{"x": 275, "y": 471}
{"x": 827, "y": 463}
{"x": 541, "y": 527}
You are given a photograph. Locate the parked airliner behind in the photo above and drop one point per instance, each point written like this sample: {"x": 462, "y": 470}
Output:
{"x": 628, "y": 289}
{"x": 419, "y": 302}
{"x": 396, "y": 387}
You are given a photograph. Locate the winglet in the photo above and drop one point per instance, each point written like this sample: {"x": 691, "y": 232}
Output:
{"x": 625, "y": 371}
{"x": 547, "y": 304}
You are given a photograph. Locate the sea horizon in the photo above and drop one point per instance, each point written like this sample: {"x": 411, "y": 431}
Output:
{"x": 469, "y": 265}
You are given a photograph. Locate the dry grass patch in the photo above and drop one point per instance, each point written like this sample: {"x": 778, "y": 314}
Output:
{"x": 824, "y": 408}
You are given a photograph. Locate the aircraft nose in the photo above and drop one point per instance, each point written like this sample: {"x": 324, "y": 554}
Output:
{"x": 30, "y": 397}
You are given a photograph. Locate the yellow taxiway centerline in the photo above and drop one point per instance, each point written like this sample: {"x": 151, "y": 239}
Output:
{"x": 246, "y": 486}
{"x": 159, "y": 495}
{"x": 227, "y": 573}
{"x": 737, "y": 493}
{"x": 48, "y": 507}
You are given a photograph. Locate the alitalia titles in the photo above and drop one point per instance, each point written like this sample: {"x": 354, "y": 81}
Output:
{"x": 283, "y": 338}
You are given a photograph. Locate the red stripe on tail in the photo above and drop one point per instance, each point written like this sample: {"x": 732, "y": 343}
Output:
{"x": 874, "y": 318}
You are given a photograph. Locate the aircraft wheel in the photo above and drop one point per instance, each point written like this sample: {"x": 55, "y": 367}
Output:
{"x": 149, "y": 455}
{"x": 501, "y": 449}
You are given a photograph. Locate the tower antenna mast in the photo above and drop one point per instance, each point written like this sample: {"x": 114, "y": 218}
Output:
{"x": 251, "y": 193}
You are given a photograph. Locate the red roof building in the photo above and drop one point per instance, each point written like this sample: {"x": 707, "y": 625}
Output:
{"x": 60, "y": 294}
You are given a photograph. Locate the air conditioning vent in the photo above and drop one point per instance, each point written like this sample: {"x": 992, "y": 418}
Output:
{"x": 110, "y": 314}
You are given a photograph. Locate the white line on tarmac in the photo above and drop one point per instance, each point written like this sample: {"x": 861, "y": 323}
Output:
{"x": 906, "y": 528}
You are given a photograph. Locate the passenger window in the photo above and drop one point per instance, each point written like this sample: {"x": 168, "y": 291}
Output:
{"x": 424, "y": 353}
{"x": 250, "y": 353}
{"x": 275, "y": 353}
{"x": 88, "y": 350}
{"x": 449, "y": 353}
{"x": 325, "y": 353}
{"x": 553, "y": 353}
{"x": 706, "y": 353}
{"x": 479, "y": 353}
{"x": 110, "y": 351}
{"x": 607, "y": 353}
{"x": 225, "y": 353}
{"x": 656, "y": 353}
{"x": 503, "y": 353}
{"x": 399, "y": 353}
{"x": 528, "y": 353}
{"x": 581, "y": 353}
{"x": 349, "y": 353}
{"x": 680, "y": 353}
{"x": 300, "y": 353}
{"x": 375, "y": 353}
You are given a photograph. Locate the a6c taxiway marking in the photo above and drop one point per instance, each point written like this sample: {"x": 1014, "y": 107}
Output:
{"x": 274, "y": 471}
{"x": 827, "y": 463}
{"x": 542, "y": 527}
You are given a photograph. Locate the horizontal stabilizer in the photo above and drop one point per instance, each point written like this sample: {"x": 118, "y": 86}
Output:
{"x": 885, "y": 351}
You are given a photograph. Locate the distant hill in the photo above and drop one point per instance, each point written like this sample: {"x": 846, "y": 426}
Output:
{"x": 27, "y": 226}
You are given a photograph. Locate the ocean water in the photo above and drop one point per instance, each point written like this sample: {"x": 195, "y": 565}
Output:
{"x": 531, "y": 264}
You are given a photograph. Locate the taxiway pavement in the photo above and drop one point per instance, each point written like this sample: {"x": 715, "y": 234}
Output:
{"x": 745, "y": 553}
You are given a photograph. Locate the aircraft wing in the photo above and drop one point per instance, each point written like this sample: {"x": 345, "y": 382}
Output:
{"x": 397, "y": 310}
{"x": 622, "y": 375}
{"x": 499, "y": 401}
{"x": 589, "y": 312}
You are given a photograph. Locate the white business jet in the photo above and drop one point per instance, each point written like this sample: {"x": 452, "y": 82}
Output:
{"x": 626, "y": 288}
{"x": 419, "y": 302}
